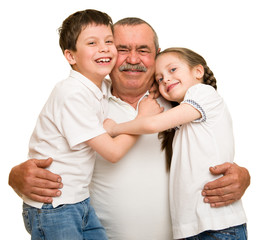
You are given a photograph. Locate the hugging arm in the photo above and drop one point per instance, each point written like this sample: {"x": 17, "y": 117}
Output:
{"x": 32, "y": 180}
{"x": 228, "y": 188}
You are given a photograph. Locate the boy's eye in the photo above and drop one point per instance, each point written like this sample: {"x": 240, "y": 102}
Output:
{"x": 173, "y": 69}
{"x": 109, "y": 42}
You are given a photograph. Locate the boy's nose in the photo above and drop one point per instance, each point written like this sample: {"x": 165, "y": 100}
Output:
{"x": 103, "y": 47}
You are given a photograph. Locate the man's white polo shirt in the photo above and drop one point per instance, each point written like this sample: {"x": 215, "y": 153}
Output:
{"x": 73, "y": 114}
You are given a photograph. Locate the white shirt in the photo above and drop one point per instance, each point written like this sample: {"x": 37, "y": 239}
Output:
{"x": 73, "y": 114}
{"x": 197, "y": 146}
{"x": 131, "y": 197}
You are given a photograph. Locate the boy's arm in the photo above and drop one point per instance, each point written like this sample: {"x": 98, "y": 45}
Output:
{"x": 176, "y": 116}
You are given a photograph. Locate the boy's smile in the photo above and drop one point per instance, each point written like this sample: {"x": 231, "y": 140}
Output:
{"x": 96, "y": 53}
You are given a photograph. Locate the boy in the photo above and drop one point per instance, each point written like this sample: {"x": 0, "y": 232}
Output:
{"x": 70, "y": 130}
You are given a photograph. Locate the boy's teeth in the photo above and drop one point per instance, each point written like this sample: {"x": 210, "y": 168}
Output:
{"x": 103, "y": 60}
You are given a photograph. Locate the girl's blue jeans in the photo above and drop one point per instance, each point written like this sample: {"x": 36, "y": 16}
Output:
{"x": 65, "y": 222}
{"x": 232, "y": 233}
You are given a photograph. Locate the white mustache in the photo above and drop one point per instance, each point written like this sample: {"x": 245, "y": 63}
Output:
{"x": 132, "y": 67}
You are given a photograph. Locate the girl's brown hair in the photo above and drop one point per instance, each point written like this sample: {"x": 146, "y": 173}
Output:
{"x": 192, "y": 59}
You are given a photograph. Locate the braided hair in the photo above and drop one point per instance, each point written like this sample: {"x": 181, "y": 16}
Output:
{"x": 192, "y": 59}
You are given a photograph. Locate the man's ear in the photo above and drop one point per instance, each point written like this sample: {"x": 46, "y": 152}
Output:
{"x": 199, "y": 71}
{"x": 69, "y": 56}
{"x": 158, "y": 51}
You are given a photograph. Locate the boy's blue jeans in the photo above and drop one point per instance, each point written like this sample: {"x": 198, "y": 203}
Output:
{"x": 232, "y": 233}
{"x": 66, "y": 222}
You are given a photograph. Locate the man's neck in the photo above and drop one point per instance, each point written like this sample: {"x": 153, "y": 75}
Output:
{"x": 130, "y": 98}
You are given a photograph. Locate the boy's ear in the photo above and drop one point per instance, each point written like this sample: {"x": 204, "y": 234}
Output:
{"x": 69, "y": 56}
{"x": 199, "y": 71}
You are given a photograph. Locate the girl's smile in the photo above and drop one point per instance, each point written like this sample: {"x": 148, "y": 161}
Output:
{"x": 175, "y": 77}
{"x": 171, "y": 86}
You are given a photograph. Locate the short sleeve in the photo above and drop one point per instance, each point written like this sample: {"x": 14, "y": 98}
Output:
{"x": 205, "y": 99}
{"x": 80, "y": 119}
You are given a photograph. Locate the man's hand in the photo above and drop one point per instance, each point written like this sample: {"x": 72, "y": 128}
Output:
{"x": 149, "y": 106}
{"x": 32, "y": 180}
{"x": 228, "y": 188}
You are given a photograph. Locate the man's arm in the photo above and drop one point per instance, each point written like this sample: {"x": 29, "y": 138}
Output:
{"x": 228, "y": 188}
{"x": 32, "y": 180}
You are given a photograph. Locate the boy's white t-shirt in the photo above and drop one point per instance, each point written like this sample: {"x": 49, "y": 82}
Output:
{"x": 197, "y": 146}
{"x": 73, "y": 114}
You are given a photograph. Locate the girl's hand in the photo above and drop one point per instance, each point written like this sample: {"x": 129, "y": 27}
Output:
{"x": 155, "y": 90}
{"x": 108, "y": 125}
{"x": 149, "y": 106}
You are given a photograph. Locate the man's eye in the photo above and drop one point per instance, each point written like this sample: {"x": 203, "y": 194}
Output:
{"x": 122, "y": 51}
{"x": 143, "y": 52}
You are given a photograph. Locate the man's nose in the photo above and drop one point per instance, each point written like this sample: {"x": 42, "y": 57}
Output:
{"x": 133, "y": 58}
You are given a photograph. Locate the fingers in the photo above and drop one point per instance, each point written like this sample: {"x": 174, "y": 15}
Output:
{"x": 45, "y": 174}
{"x": 218, "y": 183}
{"x": 220, "y": 169}
{"x": 43, "y": 163}
{"x": 151, "y": 95}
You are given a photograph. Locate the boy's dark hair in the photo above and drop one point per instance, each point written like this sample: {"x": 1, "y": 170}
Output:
{"x": 76, "y": 22}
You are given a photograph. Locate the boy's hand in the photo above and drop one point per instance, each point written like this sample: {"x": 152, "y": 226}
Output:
{"x": 108, "y": 125}
{"x": 149, "y": 106}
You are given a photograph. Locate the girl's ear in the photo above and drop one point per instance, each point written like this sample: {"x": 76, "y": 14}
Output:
{"x": 69, "y": 56}
{"x": 199, "y": 71}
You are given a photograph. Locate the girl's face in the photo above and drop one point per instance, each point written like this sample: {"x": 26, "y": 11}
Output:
{"x": 175, "y": 77}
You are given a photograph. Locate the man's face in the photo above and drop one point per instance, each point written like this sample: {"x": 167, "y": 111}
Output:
{"x": 135, "y": 66}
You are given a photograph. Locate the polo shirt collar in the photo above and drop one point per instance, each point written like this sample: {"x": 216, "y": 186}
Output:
{"x": 99, "y": 93}
{"x": 110, "y": 96}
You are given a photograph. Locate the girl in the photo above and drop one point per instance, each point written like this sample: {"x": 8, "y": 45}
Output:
{"x": 200, "y": 128}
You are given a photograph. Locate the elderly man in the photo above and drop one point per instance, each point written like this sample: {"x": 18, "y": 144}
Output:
{"x": 131, "y": 197}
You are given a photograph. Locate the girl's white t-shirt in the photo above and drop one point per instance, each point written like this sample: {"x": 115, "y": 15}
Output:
{"x": 198, "y": 145}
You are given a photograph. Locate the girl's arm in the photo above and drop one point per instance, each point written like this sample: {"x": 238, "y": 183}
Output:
{"x": 113, "y": 149}
{"x": 181, "y": 114}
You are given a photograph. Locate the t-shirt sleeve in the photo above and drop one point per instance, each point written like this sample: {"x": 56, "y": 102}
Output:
{"x": 80, "y": 120}
{"x": 206, "y": 100}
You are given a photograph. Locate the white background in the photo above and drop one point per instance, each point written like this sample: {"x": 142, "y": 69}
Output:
{"x": 224, "y": 32}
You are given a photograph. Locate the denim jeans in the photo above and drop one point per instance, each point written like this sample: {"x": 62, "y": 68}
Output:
{"x": 65, "y": 222}
{"x": 232, "y": 233}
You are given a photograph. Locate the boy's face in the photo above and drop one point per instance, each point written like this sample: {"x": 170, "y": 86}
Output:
{"x": 96, "y": 53}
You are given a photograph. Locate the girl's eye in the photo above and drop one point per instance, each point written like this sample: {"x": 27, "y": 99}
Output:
{"x": 159, "y": 80}
{"x": 91, "y": 43}
{"x": 109, "y": 42}
{"x": 173, "y": 69}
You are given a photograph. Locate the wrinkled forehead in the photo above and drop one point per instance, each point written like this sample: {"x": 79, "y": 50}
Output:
{"x": 135, "y": 36}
